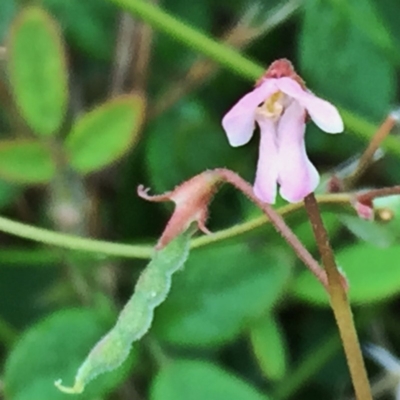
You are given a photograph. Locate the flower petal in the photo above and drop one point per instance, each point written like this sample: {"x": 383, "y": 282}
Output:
{"x": 267, "y": 166}
{"x": 238, "y": 122}
{"x": 323, "y": 113}
{"x": 297, "y": 176}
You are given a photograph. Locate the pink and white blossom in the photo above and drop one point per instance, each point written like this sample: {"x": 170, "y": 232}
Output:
{"x": 279, "y": 105}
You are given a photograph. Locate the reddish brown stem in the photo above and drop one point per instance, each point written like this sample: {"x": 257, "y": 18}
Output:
{"x": 279, "y": 224}
{"x": 374, "y": 193}
{"x": 368, "y": 155}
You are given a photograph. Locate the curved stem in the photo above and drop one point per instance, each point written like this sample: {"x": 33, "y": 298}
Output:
{"x": 278, "y": 223}
{"x": 74, "y": 242}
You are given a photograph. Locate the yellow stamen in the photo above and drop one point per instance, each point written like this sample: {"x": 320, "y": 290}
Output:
{"x": 273, "y": 107}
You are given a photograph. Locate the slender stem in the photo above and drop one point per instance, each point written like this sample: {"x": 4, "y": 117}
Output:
{"x": 338, "y": 199}
{"x": 279, "y": 224}
{"x": 191, "y": 37}
{"x": 374, "y": 193}
{"x": 340, "y": 304}
{"x": 101, "y": 247}
{"x": 74, "y": 242}
{"x": 366, "y": 130}
{"x": 374, "y": 144}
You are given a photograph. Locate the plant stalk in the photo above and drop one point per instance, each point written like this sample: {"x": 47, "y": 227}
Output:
{"x": 339, "y": 303}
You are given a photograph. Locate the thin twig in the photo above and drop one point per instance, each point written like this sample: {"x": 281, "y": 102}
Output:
{"x": 279, "y": 224}
{"x": 374, "y": 144}
{"x": 339, "y": 303}
{"x": 374, "y": 193}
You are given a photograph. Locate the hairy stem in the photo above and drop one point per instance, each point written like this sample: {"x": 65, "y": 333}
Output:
{"x": 105, "y": 248}
{"x": 279, "y": 224}
{"x": 374, "y": 193}
{"x": 339, "y": 303}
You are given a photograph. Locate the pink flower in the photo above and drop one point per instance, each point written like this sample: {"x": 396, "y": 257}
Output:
{"x": 280, "y": 104}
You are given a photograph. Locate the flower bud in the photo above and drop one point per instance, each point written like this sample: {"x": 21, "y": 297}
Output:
{"x": 364, "y": 208}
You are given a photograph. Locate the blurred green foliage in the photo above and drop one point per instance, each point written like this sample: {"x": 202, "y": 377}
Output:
{"x": 87, "y": 104}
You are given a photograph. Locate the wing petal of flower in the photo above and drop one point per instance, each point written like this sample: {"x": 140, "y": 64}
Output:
{"x": 239, "y": 121}
{"x": 323, "y": 113}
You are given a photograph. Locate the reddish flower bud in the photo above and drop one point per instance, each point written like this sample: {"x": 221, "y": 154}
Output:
{"x": 364, "y": 208}
{"x": 191, "y": 200}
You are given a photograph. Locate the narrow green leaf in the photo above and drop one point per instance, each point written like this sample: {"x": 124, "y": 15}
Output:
{"x": 135, "y": 319}
{"x": 55, "y": 346}
{"x": 373, "y": 274}
{"x": 37, "y": 70}
{"x": 269, "y": 347}
{"x": 26, "y": 162}
{"x": 105, "y": 134}
{"x": 374, "y": 232}
{"x": 197, "y": 380}
{"x": 223, "y": 289}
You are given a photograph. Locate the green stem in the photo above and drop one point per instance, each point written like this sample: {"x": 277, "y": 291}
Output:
{"x": 191, "y": 37}
{"x": 340, "y": 199}
{"x": 74, "y": 242}
{"x": 102, "y": 247}
{"x": 339, "y": 303}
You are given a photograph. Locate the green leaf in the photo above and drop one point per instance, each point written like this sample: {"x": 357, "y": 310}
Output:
{"x": 26, "y": 162}
{"x": 197, "y": 380}
{"x": 54, "y": 347}
{"x": 376, "y": 233}
{"x": 104, "y": 134}
{"x": 89, "y": 25}
{"x": 136, "y": 317}
{"x": 372, "y": 272}
{"x": 37, "y": 71}
{"x": 222, "y": 290}
{"x": 356, "y": 69}
{"x": 269, "y": 347}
